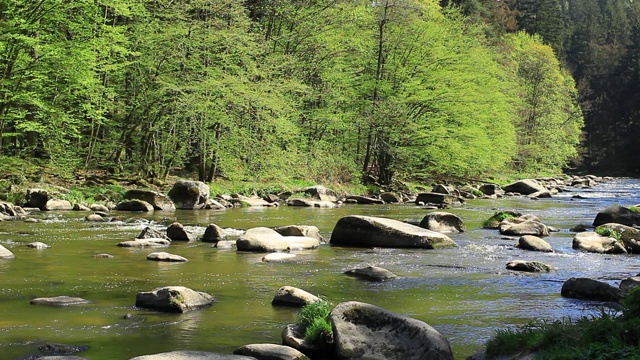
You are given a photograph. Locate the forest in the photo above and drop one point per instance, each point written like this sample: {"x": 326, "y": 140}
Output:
{"x": 342, "y": 91}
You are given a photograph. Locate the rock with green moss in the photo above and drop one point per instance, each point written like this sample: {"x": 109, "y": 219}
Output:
{"x": 593, "y": 242}
{"x": 174, "y": 299}
{"x": 494, "y": 221}
{"x": 629, "y": 236}
{"x": 528, "y": 266}
{"x": 365, "y": 331}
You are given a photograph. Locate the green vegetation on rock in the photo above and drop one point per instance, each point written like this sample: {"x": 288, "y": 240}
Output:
{"x": 314, "y": 317}
{"x": 605, "y": 231}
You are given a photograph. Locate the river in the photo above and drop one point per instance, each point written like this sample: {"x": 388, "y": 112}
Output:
{"x": 465, "y": 293}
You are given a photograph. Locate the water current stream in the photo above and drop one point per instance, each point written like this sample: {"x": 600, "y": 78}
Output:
{"x": 465, "y": 293}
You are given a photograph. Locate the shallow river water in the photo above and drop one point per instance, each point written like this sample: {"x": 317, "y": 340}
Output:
{"x": 465, "y": 293}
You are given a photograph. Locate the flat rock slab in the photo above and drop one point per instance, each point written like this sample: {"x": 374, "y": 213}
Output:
{"x": 6, "y": 253}
{"x": 165, "y": 256}
{"x": 590, "y": 241}
{"x": 590, "y": 289}
{"x": 271, "y": 352}
{"x": 191, "y": 355}
{"x": 369, "y": 231}
{"x": 528, "y": 266}
{"x": 145, "y": 243}
{"x": 364, "y": 331}
{"x": 371, "y": 273}
{"x": 292, "y": 296}
{"x": 174, "y": 299}
{"x": 60, "y": 301}
{"x": 311, "y": 203}
{"x": 279, "y": 258}
{"x": 268, "y": 240}
{"x": 38, "y": 245}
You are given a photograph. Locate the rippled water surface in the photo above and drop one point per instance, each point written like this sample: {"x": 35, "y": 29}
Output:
{"x": 465, "y": 293}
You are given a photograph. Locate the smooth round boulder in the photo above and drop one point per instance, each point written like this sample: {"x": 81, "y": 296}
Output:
{"x": 38, "y": 245}
{"x": 292, "y": 296}
{"x": 442, "y": 222}
{"x": 369, "y": 231}
{"x": 158, "y": 200}
{"x": 533, "y": 243}
{"x": 213, "y": 233}
{"x": 279, "y": 258}
{"x": 58, "y": 204}
{"x": 300, "y": 230}
{"x": 264, "y": 239}
{"x": 371, "y": 273}
{"x": 590, "y": 289}
{"x": 189, "y": 195}
{"x": 365, "y": 331}
{"x": 191, "y": 355}
{"x": 590, "y": 241}
{"x": 177, "y": 232}
{"x": 525, "y": 187}
{"x": 390, "y": 197}
{"x": 6, "y": 253}
{"x": 520, "y": 226}
{"x": 319, "y": 192}
{"x": 629, "y": 236}
{"x": 528, "y": 266}
{"x": 135, "y": 205}
{"x": 174, "y": 299}
{"x": 98, "y": 207}
{"x": 165, "y": 256}
{"x": 80, "y": 207}
{"x": 151, "y": 233}
{"x": 271, "y": 352}
{"x": 617, "y": 214}
{"x": 145, "y": 243}
{"x": 94, "y": 218}
{"x": 59, "y": 301}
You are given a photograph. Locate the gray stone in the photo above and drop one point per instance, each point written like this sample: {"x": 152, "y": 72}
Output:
{"x": 279, "y": 258}
{"x": 629, "y": 236}
{"x": 98, "y": 207}
{"x": 528, "y": 266}
{"x": 364, "y": 331}
{"x": 103, "y": 256}
{"x": 60, "y": 301}
{"x": 368, "y": 231}
{"x": 177, "y": 232}
{"x": 270, "y": 352}
{"x": 590, "y": 289}
{"x": 629, "y": 284}
{"x": 390, "y": 197}
{"x": 38, "y": 245}
{"x": 6, "y": 253}
{"x": 135, "y": 205}
{"x": 300, "y": 230}
{"x": 491, "y": 189}
{"x": 191, "y": 355}
{"x": 151, "y": 233}
{"x": 292, "y": 296}
{"x": 36, "y": 198}
{"x": 253, "y": 201}
{"x": 617, "y": 214}
{"x": 158, "y": 200}
{"x": 174, "y": 299}
{"x": 145, "y": 243}
{"x": 525, "y": 187}
{"x": 189, "y": 195}
{"x": 364, "y": 200}
{"x": 58, "y": 204}
{"x": 371, "y": 273}
{"x": 311, "y": 203}
{"x": 592, "y": 242}
{"x": 522, "y": 226}
{"x": 533, "y": 243}
{"x": 165, "y": 256}
{"x": 442, "y": 222}
{"x": 94, "y": 218}
{"x": 213, "y": 233}
{"x": 319, "y": 192}
{"x": 80, "y": 207}
{"x": 438, "y": 199}
{"x": 268, "y": 240}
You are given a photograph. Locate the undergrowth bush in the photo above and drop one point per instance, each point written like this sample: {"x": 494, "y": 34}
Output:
{"x": 604, "y": 231}
{"x": 314, "y": 317}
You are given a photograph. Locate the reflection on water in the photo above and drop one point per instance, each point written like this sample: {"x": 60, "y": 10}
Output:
{"x": 465, "y": 293}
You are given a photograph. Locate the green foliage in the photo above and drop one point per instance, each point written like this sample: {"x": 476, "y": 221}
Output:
{"x": 635, "y": 209}
{"x": 496, "y": 218}
{"x": 605, "y": 231}
{"x": 314, "y": 317}
{"x": 95, "y": 194}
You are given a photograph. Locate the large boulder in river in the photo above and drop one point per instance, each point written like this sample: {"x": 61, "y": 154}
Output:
{"x": 174, "y": 299}
{"x": 36, "y": 198}
{"x": 319, "y": 192}
{"x": 151, "y": 233}
{"x": 300, "y": 230}
{"x": 525, "y": 187}
{"x": 6, "y": 253}
{"x": 590, "y": 289}
{"x": 135, "y": 205}
{"x": 593, "y": 242}
{"x": 192, "y": 355}
{"x": 158, "y": 200}
{"x": 268, "y": 240}
{"x": 491, "y": 189}
{"x": 629, "y": 236}
{"x": 292, "y": 296}
{"x": 213, "y": 233}
{"x": 141, "y": 243}
{"x": 189, "y": 195}
{"x": 617, "y": 214}
{"x": 437, "y": 199}
{"x": 522, "y": 226}
{"x": 58, "y": 204}
{"x": 364, "y": 331}
{"x": 311, "y": 203}
{"x": 533, "y": 243}
{"x": 528, "y": 266}
{"x": 364, "y": 200}
{"x": 371, "y": 273}
{"x": 369, "y": 231}
{"x": 442, "y": 222}
{"x": 177, "y": 232}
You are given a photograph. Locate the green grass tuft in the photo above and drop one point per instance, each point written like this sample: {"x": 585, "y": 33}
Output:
{"x": 314, "y": 317}
{"x": 497, "y": 217}
{"x": 604, "y": 231}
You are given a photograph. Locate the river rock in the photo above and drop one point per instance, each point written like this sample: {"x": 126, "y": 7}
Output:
{"x": 98, "y": 207}
{"x": 6, "y": 253}
{"x": 311, "y": 203}
{"x": 36, "y": 198}
{"x": 80, "y": 207}
{"x": 58, "y": 204}
{"x": 145, "y": 243}
{"x": 319, "y": 192}
{"x": 55, "y": 351}
{"x": 158, "y": 200}
{"x": 94, "y": 218}
{"x": 369, "y": 231}
{"x": 371, "y": 273}
{"x": 174, "y": 299}
{"x": 59, "y": 301}
{"x": 38, "y": 245}
{"x": 590, "y": 289}
{"x": 279, "y": 258}
{"x": 525, "y": 187}
{"x": 191, "y": 355}
{"x": 629, "y": 236}
{"x": 300, "y": 230}
{"x": 165, "y": 256}
{"x": 592, "y": 242}
{"x": 253, "y": 201}
{"x": 225, "y": 244}
{"x": 11, "y": 211}
{"x": 494, "y": 221}
{"x": 390, "y": 197}
{"x": 103, "y": 256}
{"x": 363, "y": 200}
{"x": 293, "y": 336}
{"x": 271, "y": 352}
{"x": 212, "y": 204}
{"x": 364, "y": 331}
{"x": 617, "y": 214}
{"x": 268, "y": 240}
{"x": 213, "y": 233}
{"x": 189, "y": 195}
{"x": 135, "y": 205}
{"x": 629, "y": 284}
{"x": 442, "y": 222}
{"x": 177, "y": 232}
{"x": 151, "y": 233}
{"x": 533, "y": 243}
{"x": 522, "y": 226}
{"x": 292, "y": 296}
{"x": 491, "y": 189}
{"x": 528, "y": 266}
{"x": 540, "y": 195}
{"x": 438, "y": 199}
